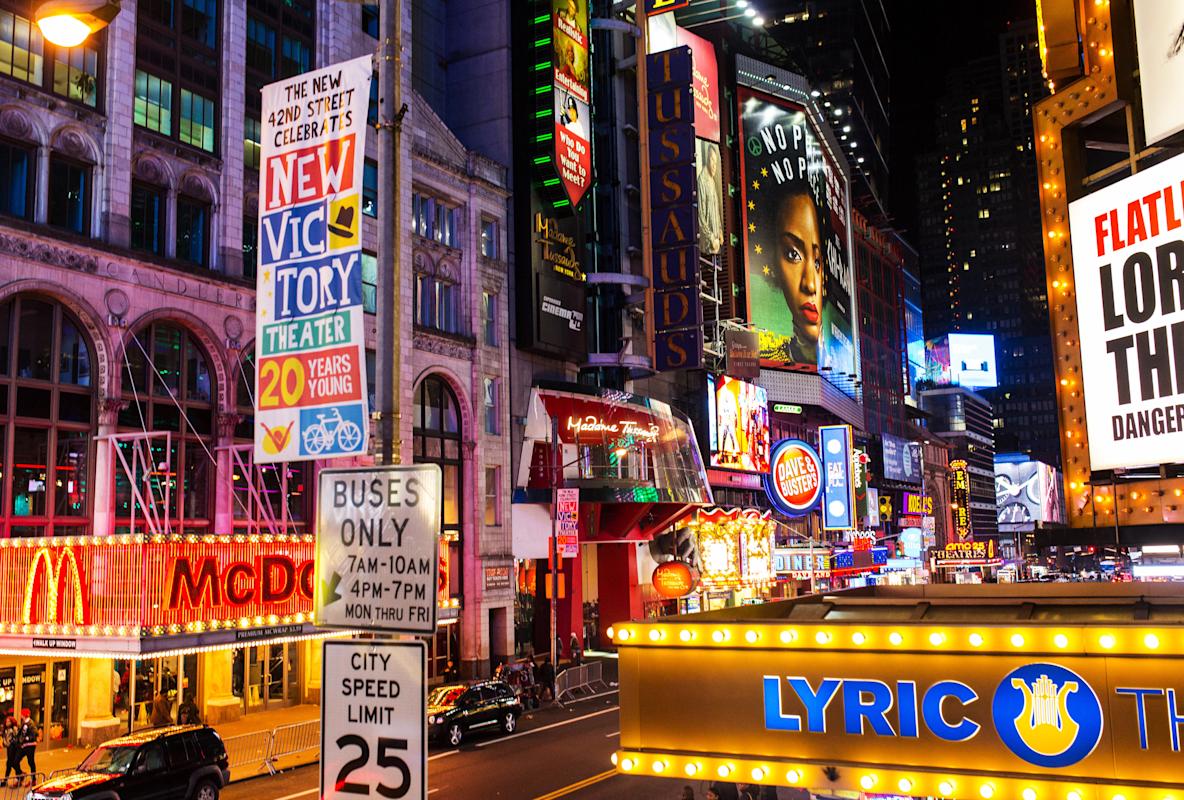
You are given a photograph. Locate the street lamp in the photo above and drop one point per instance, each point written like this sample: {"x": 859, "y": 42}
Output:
{"x": 67, "y": 23}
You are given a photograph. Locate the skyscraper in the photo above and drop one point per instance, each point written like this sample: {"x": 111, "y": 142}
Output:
{"x": 980, "y": 233}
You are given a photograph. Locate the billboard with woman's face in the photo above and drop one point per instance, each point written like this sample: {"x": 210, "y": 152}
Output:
{"x": 797, "y": 259}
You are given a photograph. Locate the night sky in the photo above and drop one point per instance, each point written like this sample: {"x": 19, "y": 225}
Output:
{"x": 928, "y": 37}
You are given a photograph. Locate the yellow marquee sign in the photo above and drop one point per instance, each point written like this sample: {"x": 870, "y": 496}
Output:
{"x": 944, "y": 709}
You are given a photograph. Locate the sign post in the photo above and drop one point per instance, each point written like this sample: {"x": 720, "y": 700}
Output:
{"x": 377, "y": 563}
{"x": 375, "y": 741}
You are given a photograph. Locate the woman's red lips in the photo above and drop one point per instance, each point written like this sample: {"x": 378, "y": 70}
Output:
{"x": 810, "y": 312}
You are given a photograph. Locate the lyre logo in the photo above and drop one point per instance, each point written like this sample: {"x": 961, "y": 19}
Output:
{"x": 1047, "y": 715}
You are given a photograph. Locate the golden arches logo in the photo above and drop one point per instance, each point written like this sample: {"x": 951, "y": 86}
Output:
{"x": 1045, "y": 724}
{"x": 52, "y": 579}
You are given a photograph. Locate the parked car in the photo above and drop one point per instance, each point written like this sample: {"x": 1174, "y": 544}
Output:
{"x": 180, "y": 762}
{"x": 458, "y": 709}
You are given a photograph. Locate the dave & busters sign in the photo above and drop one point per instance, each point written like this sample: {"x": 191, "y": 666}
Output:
{"x": 794, "y": 480}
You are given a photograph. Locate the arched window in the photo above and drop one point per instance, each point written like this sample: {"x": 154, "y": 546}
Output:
{"x": 437, "y": 433}
{"x": 285, "y": 489}
{"x": 169, "y": 386}
{"x": 46, "y": 419}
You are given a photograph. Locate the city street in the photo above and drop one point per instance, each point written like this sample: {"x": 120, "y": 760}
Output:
{"x": 555, "y": 753}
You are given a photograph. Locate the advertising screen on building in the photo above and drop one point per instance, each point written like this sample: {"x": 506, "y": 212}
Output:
{"x": 901, "y": 459}
{"x": 962, "y": 359}
{"x": 1128, "y": 263}
{"x": 1027, "y": 492}
{"x": 573, "y": 117}
{"x": 796, "y": 251}
{"x": 838, "y": 492}
{"x": 310, "y": 361}
{"x": 738, "y": 416}
{"x": 1161, "y": 66}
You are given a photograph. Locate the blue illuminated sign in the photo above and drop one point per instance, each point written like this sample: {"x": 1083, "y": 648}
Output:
{"x": 838, "y": 486}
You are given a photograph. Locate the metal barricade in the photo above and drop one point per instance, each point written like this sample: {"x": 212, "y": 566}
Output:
{"x": 249, "y": 749}
{"x": 17, "y": 788}
{"x": 292, "y": 740}
{"x": 572, "y": 681}
{"x": 596, "y": 675}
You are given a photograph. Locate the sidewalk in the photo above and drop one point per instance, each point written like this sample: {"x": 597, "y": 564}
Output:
{"x": 67, "y": 757}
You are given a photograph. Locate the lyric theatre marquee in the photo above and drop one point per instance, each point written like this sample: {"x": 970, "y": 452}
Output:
{"x": 114, "y": 595}
{"x": 943, "y": 691}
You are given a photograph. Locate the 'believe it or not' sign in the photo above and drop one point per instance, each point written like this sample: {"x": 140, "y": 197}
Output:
{"x": 377, "y": 564}
{"x": 373, "y": 720}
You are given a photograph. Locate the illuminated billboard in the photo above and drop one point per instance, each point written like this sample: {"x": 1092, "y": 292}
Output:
{"x": 962, "y": 359}
{"x": 871, "y": 692}
{"x": 796, "y": 220}
{"x": 900, "y": 459}
{"x": 1027, "y": 492}
{"x": 573, "y": 119}
{"x": 738, "y": 418}
{"x": 1128, "y": 248}
{"x": 1161, "y": 67}
{"x": 960, "y": 500}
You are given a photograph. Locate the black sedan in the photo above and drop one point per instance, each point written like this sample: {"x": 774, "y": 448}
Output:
{"x": 459, "y": 709}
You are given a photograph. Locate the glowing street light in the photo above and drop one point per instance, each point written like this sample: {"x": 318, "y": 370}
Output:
{"x": 67, "y": 23}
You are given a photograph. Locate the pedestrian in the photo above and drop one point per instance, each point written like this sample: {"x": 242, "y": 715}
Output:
{"x": 577, "y": 652}
{"x": 558, "y": 649}
{"x": 712, "y": 793}
{"x": 188, "y": 713}
{"x": 547, "y": 679}
{"x": 767, "y": 793}
{"x": 744, "y": 792}
{"x": 10, "y": 738}
{"x": 162, "y": 713}
{"x": 28, "y": 738}
{"x": 687, "y": 793}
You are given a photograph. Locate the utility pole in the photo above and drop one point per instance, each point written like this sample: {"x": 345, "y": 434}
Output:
{"x": 388, "y": 361}
{"x": 556, "y": 559}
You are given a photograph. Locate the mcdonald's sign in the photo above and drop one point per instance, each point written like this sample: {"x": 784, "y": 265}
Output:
{"x": 55, "y": 589}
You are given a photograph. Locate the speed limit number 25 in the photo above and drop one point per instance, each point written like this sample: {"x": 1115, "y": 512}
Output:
{"x": 373, "y": 715}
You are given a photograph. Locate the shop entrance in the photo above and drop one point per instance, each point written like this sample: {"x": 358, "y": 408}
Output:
{"x": 267, "y": 676}
{"x": 42, "y": 688}
{"x": 150, "y": 691}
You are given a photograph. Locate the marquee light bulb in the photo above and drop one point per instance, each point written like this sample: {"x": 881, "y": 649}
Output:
{"x": 1061, "y": 640}
{"x": 724, "y": 770}
{"x": 627, "y": 764}
{"x": 936, "y": 638}
{"x": 905, "y": 784}
{"x": 623, "y": 636}
{"x": 719, "y": 637}
{"x": 895, "y": 638}
{"x": 751, "y": 637}
{"x": 1073, "y": 795}
{"x": 691, "y": 770}
{"x": 859, "y": 637}
{"x": 759, "y": 773}
{"x": 788, "y": 636}
{"x": 946, "y": 788}
{"x": 1017, "y": 640}
{"x": 1107, "y": 641}
{"x": 613, "y": 759}
{"x": 986, "y": 791}
{"x": 655, "y": 635}
{"x": 822, "y": 637}
{"x": 1028, "y": 794}
{"x": 686, "y": 635}
{"x": 867, "y": 781}
{"x": 976, "y": 639}
{"x": 1151, "y": 641}
{"x": 793, "y": 776}
{"x": 659, "y": 766}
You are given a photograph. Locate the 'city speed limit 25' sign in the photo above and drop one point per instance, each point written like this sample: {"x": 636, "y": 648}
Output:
{"x": 373, "y": 720}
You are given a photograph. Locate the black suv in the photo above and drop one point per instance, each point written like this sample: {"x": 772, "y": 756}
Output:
{"x": 456, "y": 710}
{"x": 180, "y": 762}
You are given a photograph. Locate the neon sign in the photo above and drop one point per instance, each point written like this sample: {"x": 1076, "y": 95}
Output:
{"x": 593, "y": 425}
{"x": 794, "y": 480}
{"x": 960, "y": 499}
{"x": 47, "y": 579}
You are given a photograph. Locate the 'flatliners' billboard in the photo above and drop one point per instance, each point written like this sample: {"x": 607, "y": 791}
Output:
{"x": 1067, "y": 711}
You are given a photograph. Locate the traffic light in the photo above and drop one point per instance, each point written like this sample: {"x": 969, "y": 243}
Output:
{"x": 885, "y": 508}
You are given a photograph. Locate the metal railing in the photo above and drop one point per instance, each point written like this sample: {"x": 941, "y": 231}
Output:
{"x": 15, "y": 788}
{"x": 579, "y": 680}
{"x": 264, "y": 749}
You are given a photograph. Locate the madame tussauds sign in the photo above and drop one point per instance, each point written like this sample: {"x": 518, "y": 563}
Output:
{"x": 1128, "y": 265}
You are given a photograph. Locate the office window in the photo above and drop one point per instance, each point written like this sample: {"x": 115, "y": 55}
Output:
{"x": 436, "y": 220}
{"x": 489, "y": 317}
{"x": 159, "y": 11}
{"x": 420, "y": 210}
{"x": 295, "y": 57}
{"x": 16, "y": 180}
{"x": 493, "y": 479}
{"x": 199, "y": 21}
{"x": 491, "y": 406}
{"x": 69, "y": 195}
{"x": 193, "y": 230}
{"x": 252, "y": 142}
{"x": 370, "y": 188}
{"x": 250, "y": 246}
{"x": 260, "y": 47}
{"x": 489, "y": 238}
{"x": 370, "y": 19}
{"x": 147, "y": 218}
{"x": 20, "y": 48}
{"x": 369, "y": 282}
{"x": 153, "y": 106}
{"x": 76, "y": 74}
{"x": 197, "y": 120}
{"x": 436, "y": 304}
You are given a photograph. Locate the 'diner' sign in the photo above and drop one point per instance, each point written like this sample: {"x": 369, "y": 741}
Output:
{"x": 377, "y": 565}
{"x": 1128, "y": 265}
{"x": 310, "y": 376}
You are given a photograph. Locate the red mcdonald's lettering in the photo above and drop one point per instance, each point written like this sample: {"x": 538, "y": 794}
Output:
{"x": 235, "y": 595}
{"x": 195, "y": 589}
{"x": 280, "y": 567}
